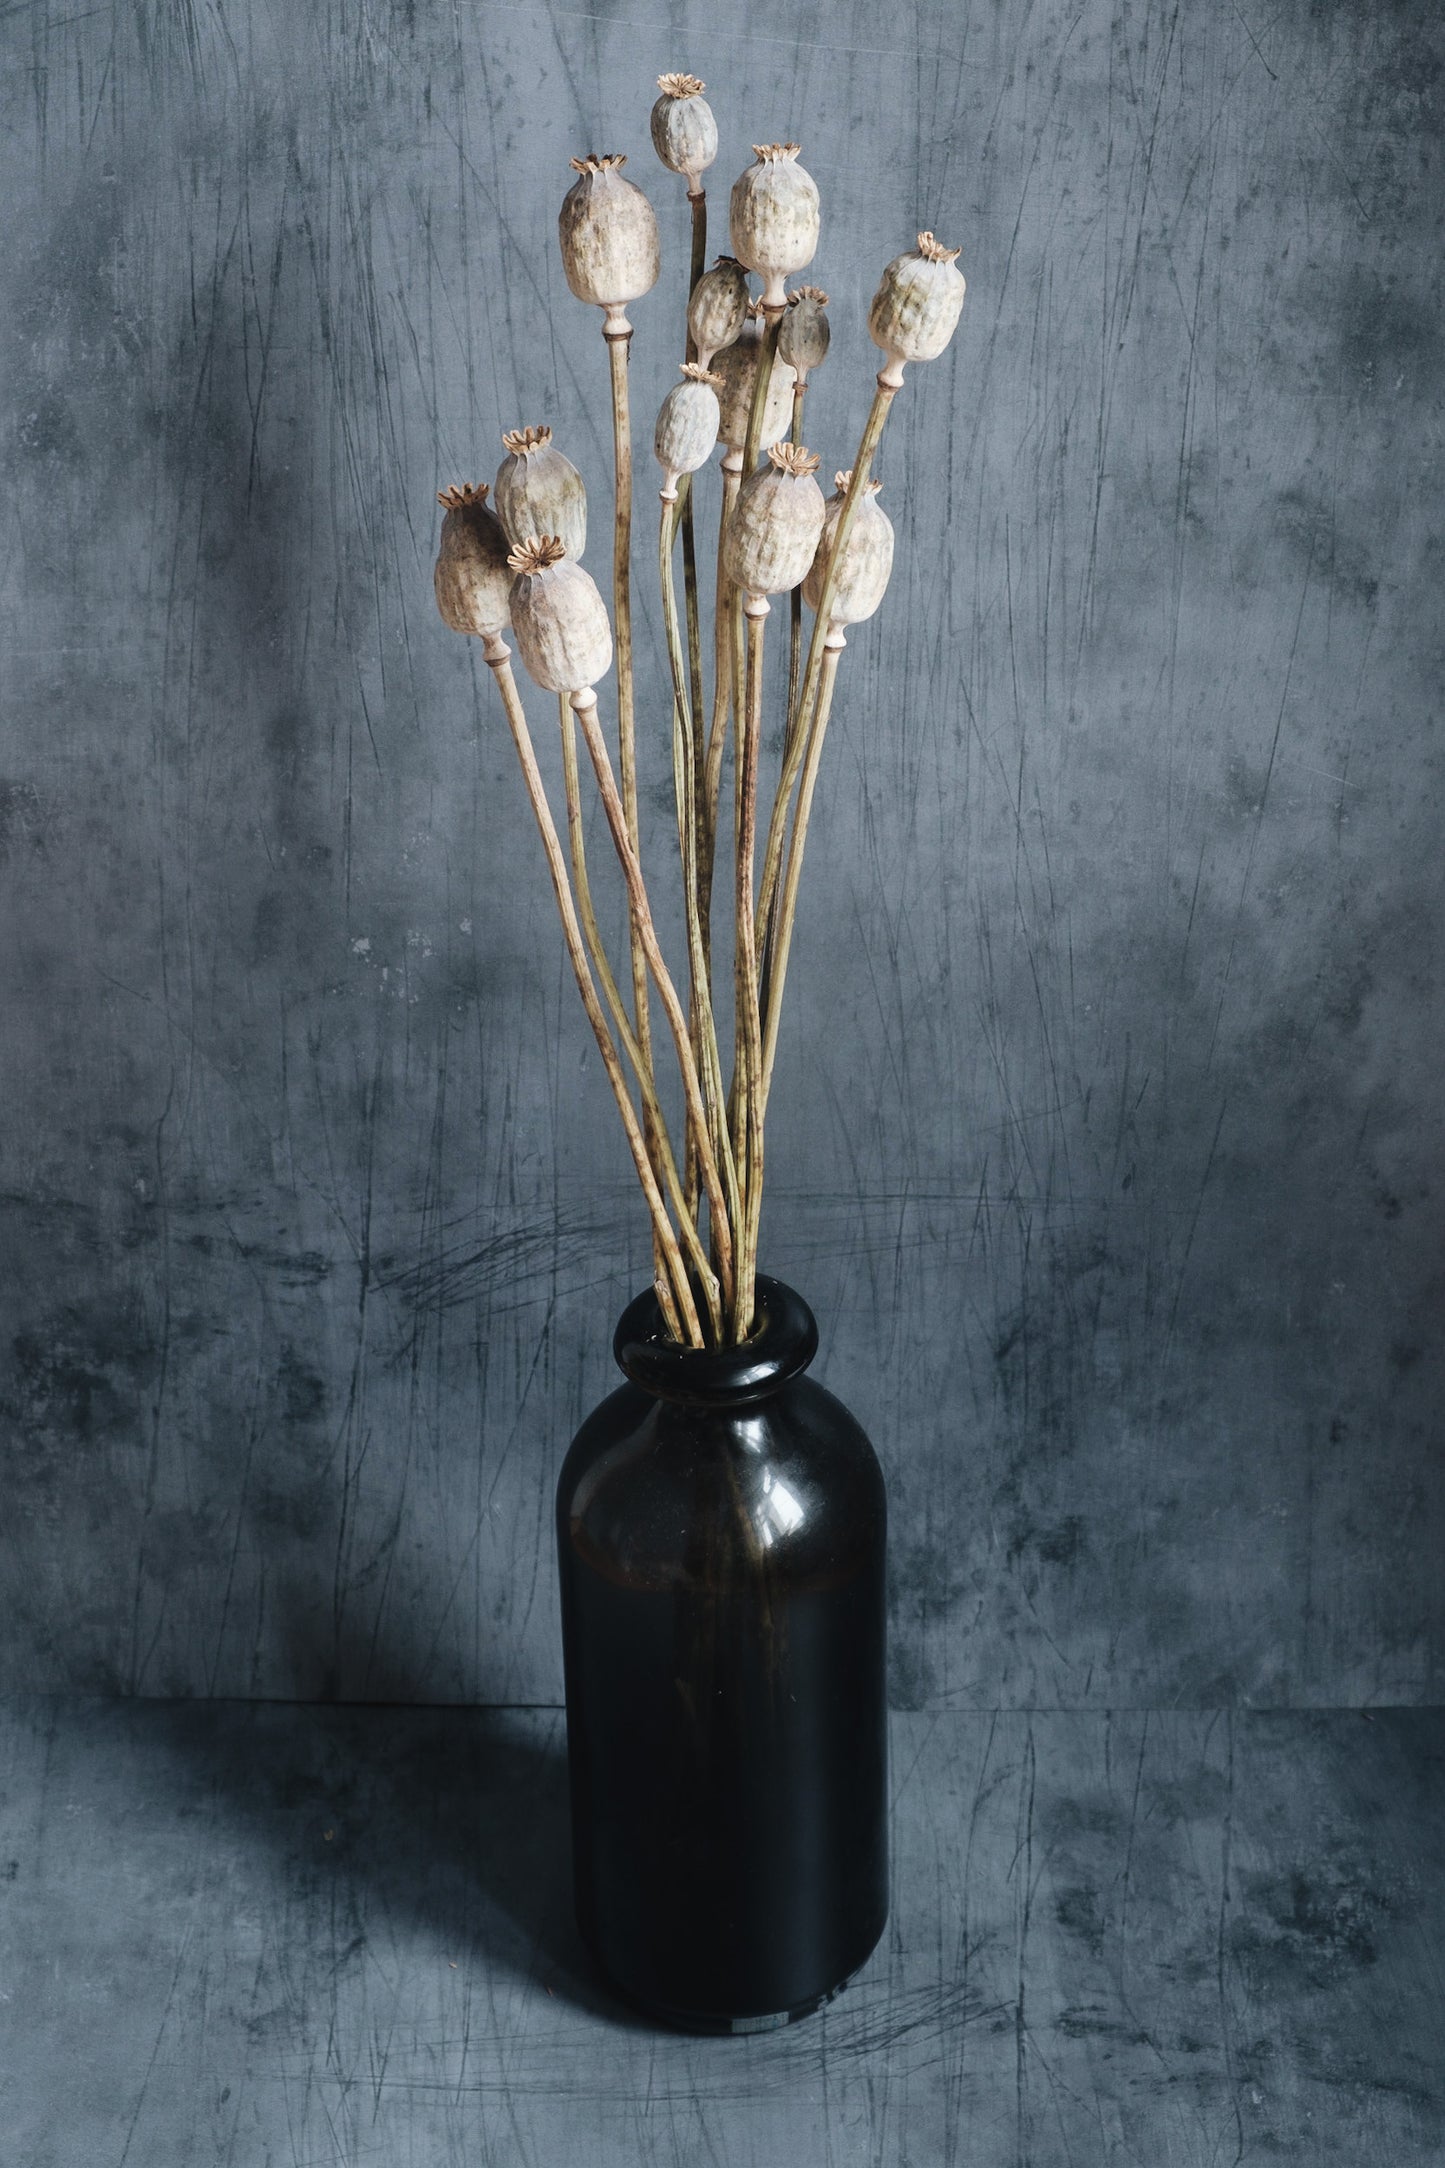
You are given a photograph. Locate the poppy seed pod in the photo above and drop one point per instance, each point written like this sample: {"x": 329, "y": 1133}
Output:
{"x": 718, "y": 308}
{"x": 559, "y": 617}
{"x": 472, "y": 579}
{"x": 737, "y": 365}
{"x": 916, "y": 308}
{"x": 866, "y": 561}
{"x": 539, "y": 491}
{"x": 774, "y": 528}
{"x": 803, "y": 334}
{"x": 684, "y": 133}
{"x": 687, "y": 426}
{"x": 773, "y": 216}
{"x": 610, "y": 249}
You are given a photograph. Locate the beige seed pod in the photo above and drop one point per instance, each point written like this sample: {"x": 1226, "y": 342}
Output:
{"x": 867, "y": 556}
{"x": 684, "y": 133}
{"x": 773, "y": 217}
{"x": 610, "y": 249}
{"x": 559, "y": 617}
{"x": 472, "y": 580}
{"x": 916, "y": 308}
{"x": 737, "y": 365}
{"x": 774, "y": 528}
{"x": 539, "y": 491}
{"x": 719, "y": 308}
{"x": 687, "y": 426}
{"x": 803, "y": 334}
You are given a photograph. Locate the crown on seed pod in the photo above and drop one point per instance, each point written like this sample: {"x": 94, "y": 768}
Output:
{"x": 610, "y": 249}
{"x": 866, "y": 560}
{"x": 471, "y": 577}
{"x": 684, "y": 133}
{"x": 558, "y": 616}
{"x": 773, "y": 217}
{"x": 539, "y": 491}
{"x": 917, "y": 306}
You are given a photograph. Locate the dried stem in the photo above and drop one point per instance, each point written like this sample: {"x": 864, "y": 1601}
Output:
{"x": 787, "y": 909}
{"x": 704, "y": 1028}
{"x": 722, "y": 705}
{"x": 797, "y": 739}
{"x": 698, "y": 201}
{"x": 585, "y": 705}
{"x": 618, "y": 336}
{"x": 673, "y": 1291}
{"x": 791, "y": 719}
{"x": 646, "y": 1082}
{"x": 749, "y": 1026}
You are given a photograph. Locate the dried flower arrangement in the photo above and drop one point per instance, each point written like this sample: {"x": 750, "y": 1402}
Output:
{"x": 517, "y": 568}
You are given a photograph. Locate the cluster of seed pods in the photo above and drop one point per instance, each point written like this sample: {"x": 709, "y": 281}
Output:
{"x": 514, "y": 565}
{"x": 779, "y": 531}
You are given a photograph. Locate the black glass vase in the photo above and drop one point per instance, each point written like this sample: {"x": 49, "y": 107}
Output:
{"x": 721, "y": 1530}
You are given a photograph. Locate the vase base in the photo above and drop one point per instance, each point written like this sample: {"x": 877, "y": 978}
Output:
{"x": 719, "y": 2024}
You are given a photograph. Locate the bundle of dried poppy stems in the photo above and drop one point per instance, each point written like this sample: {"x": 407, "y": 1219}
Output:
{"x": 517, "y": 568}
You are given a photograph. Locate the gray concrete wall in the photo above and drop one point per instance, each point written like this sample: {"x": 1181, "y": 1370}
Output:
{"x": 1107, "y": 1127}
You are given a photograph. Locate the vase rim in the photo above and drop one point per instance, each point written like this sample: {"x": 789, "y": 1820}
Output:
{"x": 781, "y": 1348}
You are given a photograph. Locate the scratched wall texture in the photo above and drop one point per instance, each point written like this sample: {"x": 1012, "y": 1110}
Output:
{"x": 1108, "y": 1126}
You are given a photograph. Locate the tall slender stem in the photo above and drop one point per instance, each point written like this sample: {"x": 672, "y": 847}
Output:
{"x": 697, "y": 199}
{"x": 646, "y": 1082}
{"x": 617, "y": 332}
{"x": 586, "y": 709}
{"x": 684, "y": 770}
{"x": 795, "y": 599}
{"x": 797, "y": 739}
{"x": 673, "y": 1291}
{"x": 787, "y": 910}
{"x": 722, "y": 702}
{"x": 749, "y": 1029}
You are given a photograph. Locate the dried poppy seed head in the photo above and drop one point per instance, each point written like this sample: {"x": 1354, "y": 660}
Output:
{"x": 610, "y": 249}
{"x": 803, "y": 335}
{"x": 684, "y": 132}
{"x": 773, "y": 216}
{"x": 687, "y": 426}
{"x": 916, "y": 308}
{"x": 865, "y": 562}
{"x": 559, "y": 618}
{"x": 537, "y": 553}
{"x": 471, "y": 579}
{"x": 539, "y": 491}
{"x": 772, "y": 532}
{"x": 522, "y": 441}
{"x": 842, "y": 480}
{"x": 718, "y": 307}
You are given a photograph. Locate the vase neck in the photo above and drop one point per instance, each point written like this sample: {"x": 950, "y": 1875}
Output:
{"x": 783, "y": 1343}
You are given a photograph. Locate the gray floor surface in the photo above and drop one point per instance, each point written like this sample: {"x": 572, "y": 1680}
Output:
{"x": 259, "y": 1934}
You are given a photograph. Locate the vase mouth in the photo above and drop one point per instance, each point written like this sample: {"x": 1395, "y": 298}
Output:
{"x": 784, "y": 1342}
